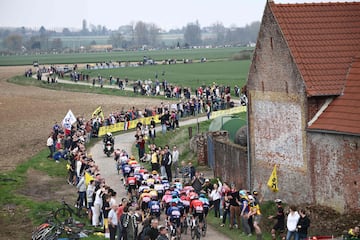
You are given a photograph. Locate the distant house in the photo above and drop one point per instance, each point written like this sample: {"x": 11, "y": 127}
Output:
{"x": 100, "y": 48}
{"x": 304, "y": 103}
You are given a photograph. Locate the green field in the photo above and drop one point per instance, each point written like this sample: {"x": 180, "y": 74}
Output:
{"x": 212, "y": 54}
{"x": 186, "y": 75}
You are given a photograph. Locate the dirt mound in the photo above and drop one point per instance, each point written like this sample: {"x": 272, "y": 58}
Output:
{"x": 41, "y": 187}
{"x": 326, "y": 221}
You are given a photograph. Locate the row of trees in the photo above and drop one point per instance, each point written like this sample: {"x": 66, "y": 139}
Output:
{"x": 131, "y": 36}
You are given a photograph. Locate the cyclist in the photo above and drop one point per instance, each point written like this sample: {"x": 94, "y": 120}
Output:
{"x": 126, "y": 169}
{"x": 155, "y": 208}
{"x": 165, "y": 183}
{"x": 143, "y": 186}
{"x": 178, "y": 184}
{"x": 144, "y": 200}
{"x": 150, "y": 180}
{"x": 197, "y": 210}
{"x": 206, "y": 206}
{"x": 159, "y": 187}
{"x": 206, "y": 203}
{"x": 173, "y": 216}
{"x": 165, "y": 200}
{"x": 117, "y": 154}
{"x": 131, "y": 185}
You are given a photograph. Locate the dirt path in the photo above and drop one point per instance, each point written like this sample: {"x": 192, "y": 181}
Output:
{"x": 107, "y": 169}
{"x": 27, "y": 114}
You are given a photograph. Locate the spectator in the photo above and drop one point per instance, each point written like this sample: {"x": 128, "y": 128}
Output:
{"x": 175, "y": 160}
{"x": 234, "y": 198}
{"x": 153, "y": 231}
{"x": 279, "y": 226}
{"x": 129, "y": 223}
{"x": 81, "y": 187}
{"x": 50, "y": 145}
{"x": 90, "y": 191}
{"x": 215, "y": 197}
{"x": 291, "y": 224}
{"x": 303, "y": 225}
{"x": 162, "y": 233}
{"x": 113, "y": 221}
{"x": 119, "y": 213}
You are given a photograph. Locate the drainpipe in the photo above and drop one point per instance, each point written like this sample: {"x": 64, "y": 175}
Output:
{"x": 248, "y": 145}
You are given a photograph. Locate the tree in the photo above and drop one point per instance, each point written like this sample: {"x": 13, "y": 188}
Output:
{"x": 34, "y": 43}
{"x": 192, "y": 34}
{"x": 153, "y": 35}
{"x": 66, "y": 32}
{"x": 141, "y": 34}
{"x": 84, "y": 29}
{"x": 44, "y": 38}
{"x": 116, "y": 40}
{"x": 219, "y": 31}
{"x": 56, "y": 44}
{"x": 42, "y": 30}
{"x": 13, "y": 42}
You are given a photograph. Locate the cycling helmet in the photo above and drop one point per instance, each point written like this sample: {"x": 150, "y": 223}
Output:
{"x": 255, "y": 193}
{"x": 146, "y": 190}
{"x": 202, "y": 195}
{"x": 242, "y": 192}
{"x": 278, "y": 200}
{"x": 109, "y": 134}
{"x": 251, "y": 198}
{"x": 154, "y": 172}
{"x": 144, "y": 182}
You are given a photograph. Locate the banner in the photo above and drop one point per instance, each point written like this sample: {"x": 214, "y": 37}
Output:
{"x": 229, "y": 111}
{"x": 273, "y": 181}
{"x": 68, "y": 120}
{"x": 98, "y": 112}
{"x": 130, "y": 125}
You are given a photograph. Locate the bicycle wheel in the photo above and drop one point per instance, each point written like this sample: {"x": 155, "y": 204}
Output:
{"x": 203, "y": 232}
{"x": 198, "y": 233}
{"x": 62, "y": 215}
{"x": 192, "y": 233}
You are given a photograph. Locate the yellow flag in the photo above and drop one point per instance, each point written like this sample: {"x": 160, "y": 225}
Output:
{"x": 98, "y": 112}
{"x": 273, "y": 181}
{"x": 88, "y": 178}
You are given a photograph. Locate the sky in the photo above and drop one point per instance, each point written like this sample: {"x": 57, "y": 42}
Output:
{"x": 55, "y": 15}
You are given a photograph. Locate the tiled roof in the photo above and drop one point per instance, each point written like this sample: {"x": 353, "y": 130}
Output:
{"x": 343, "y": 114}
{"x": 323, "y": 39}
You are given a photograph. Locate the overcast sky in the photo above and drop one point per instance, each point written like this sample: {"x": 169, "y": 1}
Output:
{"x": 54, "y": 15}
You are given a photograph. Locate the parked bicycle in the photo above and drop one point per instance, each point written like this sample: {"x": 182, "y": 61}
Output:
{"x": 52, "y": 231}
{"x": 66, "y": 212}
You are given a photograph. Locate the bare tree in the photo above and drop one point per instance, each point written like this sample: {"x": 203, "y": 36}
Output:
{"x": 192, "y": 34}
{"x": 13, "y": 42}
{"x": 141, "y": 34}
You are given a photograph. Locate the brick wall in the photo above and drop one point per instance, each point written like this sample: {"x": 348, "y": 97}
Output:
{"x": 335, "y": 164}
{"x": 231, "y": 163}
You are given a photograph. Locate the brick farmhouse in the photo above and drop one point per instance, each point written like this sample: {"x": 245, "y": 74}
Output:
{"x": 304, "y": 103}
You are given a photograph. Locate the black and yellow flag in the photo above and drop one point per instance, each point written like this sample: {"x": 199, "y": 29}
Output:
{"x": 98, "y": 112}
{"x": 273, "y": 181}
